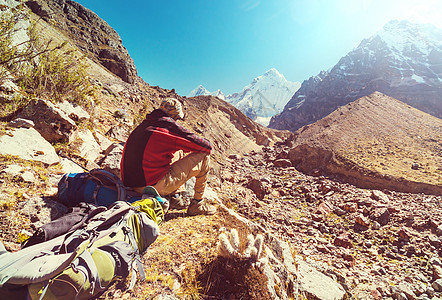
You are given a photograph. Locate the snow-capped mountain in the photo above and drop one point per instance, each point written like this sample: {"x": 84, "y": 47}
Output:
{"x": 265, "y": 96}
{"x": 403, "y": 60}
{"x": 202, "y": 91}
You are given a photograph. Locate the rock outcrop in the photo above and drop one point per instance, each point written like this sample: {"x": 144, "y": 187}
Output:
{"x": 90, "y": 33}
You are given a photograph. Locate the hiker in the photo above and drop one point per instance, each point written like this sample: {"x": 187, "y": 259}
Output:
{"x": 163, "y": 154}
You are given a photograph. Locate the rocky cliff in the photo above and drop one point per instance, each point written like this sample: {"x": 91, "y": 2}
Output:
{"x": 90, "y": 33}
{"x": 403, "y": 61}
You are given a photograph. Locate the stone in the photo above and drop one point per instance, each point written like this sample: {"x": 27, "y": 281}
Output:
{"x": 111, "y": 161}
{"x": 381, "y": 215}
{"x": 69, "y": 166}
{"x": 316, "y": 285}
{"x": 282, "y": 163}
{"x": 13, "y": 170}
{"x": 103, "y": 141}
{"x": 119, "y": 133}
{"x": 74, "y": 111}
{"x": 380, "y": 196}
{"x": 28, "y": 144}
{"x": 325, "y": 208}
{"x": 439, "y": 230}
{"x": 404, "y": 233}
{"x": 437, "y": 272}
{"x": 50, "y": 121}
{"x": 88, "y": 147}
{"x": 258, "y": 187}
{"x": 351, "y": 207}
{"x": 363, "y": 221}
{"x": 28, "y": 177}
{"x": 434, "y": 240}
{"x": 343, "y": 241}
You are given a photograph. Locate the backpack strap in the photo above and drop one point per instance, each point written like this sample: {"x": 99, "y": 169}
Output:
{"x": 115, "y": 180}
{"x": 137, "y": 260}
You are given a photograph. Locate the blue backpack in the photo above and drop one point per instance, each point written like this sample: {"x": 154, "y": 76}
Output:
{"x": 99, "y": 187}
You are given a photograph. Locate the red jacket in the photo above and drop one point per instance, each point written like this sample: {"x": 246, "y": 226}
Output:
{"x": 149, "y": 150}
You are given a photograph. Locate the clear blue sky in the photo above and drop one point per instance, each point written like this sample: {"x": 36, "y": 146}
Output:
{"x": 224, "y": 44}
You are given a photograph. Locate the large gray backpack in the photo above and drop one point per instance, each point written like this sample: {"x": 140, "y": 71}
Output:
{"x": 82, "y": 263}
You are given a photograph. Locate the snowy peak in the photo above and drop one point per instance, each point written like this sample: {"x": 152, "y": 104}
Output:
{"x": 199, "y": 91}
{"x": 401, "y": 36}
{"x": 403, "y": 61}
{"x": 202, "y": 91}
{"x": 265, "y": 96}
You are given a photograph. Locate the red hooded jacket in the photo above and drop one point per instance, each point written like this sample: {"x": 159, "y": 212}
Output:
{"x": 149, "y": 150}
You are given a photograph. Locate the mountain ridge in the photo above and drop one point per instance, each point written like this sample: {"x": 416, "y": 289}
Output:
{"x": 264, "y": 97}
{"x": 413, "y": 75}
{"x": 323, "y": 237}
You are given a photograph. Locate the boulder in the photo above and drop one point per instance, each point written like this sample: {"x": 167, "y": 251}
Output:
{"x": 74, "y": 111}
{"x": 88, "y": 147}
{"x": 50, "y": 121}
{"x": 28, "y": 144}
{"x": 112, "y": 160}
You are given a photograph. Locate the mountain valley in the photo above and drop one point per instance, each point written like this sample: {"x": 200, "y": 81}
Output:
{"x": 345, "y": 189}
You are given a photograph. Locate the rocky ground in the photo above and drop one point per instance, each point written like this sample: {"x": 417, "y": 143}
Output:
{"x": 377, "y": 244}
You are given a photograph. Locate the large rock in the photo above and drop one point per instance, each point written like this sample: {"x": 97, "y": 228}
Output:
{"x": 28, "y": 144}
{"x": 317, "y": 285}
{"x": 74, "y": 111}
{"x": 52, "y": 122}
{"x": 112, "y": 160}
{"x": 88, "y": 147}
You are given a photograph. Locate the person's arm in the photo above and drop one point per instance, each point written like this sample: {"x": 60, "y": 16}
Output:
{"x": 185, "y": 139}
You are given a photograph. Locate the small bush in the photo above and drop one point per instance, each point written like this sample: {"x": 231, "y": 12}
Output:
{"x": 58, "y": 76}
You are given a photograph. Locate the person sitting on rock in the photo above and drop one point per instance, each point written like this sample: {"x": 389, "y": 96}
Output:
{"x": 161, "y": 153}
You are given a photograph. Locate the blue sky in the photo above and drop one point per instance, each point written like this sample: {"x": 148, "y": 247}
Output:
{"x": 224, "y": 44}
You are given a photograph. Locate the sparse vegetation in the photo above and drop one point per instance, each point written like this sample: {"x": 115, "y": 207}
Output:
{"x": 40, "y": 68}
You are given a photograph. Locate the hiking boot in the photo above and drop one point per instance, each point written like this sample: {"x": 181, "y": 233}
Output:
{"x": 177, "y": 201}
{"x": 200, "y": 207}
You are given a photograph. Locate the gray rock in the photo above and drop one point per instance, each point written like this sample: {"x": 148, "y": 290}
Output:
{"x": 317, "y": 285}
{"x": 282, "y": 163}
{"x": 112, "y": 160}
{"x": 70, "y": 167}
{"x": 119, "y": 133}
{"x": 380, "y": 196}
{"x": 28, "y": 177}
{"x": 104, "y": 142}
{"x": 13, "y": 170}
{"x": 28, "y": 144}
{"x": 50, "y": 121}
{"x": 88, "y": 146}
{"x": 74, "y": 111}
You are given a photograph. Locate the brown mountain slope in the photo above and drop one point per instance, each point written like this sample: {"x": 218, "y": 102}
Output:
{"x": 375, "y": 142}
{"x": 229, "y": 130}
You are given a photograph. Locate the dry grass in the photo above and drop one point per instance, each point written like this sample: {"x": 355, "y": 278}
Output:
{"x": 183, "y": 258}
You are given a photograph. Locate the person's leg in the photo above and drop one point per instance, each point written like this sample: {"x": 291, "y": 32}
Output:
{"x": 192, "y": 165}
